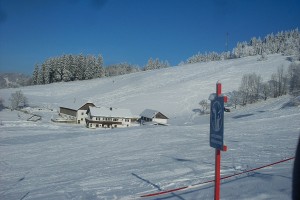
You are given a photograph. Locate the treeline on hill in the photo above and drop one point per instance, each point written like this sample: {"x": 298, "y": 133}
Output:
{"x": 286, "y": 43}
{"x": 79, "y": 67}
{"x": 253, "y": 88}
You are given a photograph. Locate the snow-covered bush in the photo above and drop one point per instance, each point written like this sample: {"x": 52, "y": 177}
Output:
{"x": 262, "y": 57}
{"x": 204, "y": 106}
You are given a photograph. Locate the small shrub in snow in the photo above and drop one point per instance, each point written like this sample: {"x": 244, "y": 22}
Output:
{"x": 262, "y": 57}
{"x": 204, "y": 106}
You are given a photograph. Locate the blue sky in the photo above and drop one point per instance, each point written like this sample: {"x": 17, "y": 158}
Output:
{"x": 133, "y": 30}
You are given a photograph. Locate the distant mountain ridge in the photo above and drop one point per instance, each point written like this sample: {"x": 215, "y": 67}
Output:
{"x": 13, "y": 80}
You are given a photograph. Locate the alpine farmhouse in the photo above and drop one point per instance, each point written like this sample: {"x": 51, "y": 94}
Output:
{"x": 75, "y": 114}
{"x": 153, "y": 116}
{"x": 102, "y": 117}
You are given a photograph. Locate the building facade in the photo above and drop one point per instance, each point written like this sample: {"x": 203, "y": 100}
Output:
{"x": 154, "y": 116}
{"x": 75, "y": 113}
{"x": 102, "y": 117}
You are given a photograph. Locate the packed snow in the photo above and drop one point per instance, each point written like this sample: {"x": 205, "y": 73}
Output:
{"x": 47, "y": 160}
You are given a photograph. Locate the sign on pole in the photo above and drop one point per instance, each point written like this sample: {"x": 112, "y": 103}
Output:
{"x": 217, "y": 123}
{"x": 216, "y": 138}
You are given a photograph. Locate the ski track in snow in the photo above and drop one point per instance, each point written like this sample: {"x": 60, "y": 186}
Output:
{"x": 45, "y": 160}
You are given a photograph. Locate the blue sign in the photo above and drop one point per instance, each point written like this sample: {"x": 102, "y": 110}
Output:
{"x": 217, "y": 123}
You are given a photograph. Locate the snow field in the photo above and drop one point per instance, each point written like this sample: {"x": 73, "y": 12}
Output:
{"x": 66, "y": 162}
{"x": 45, "y": 160}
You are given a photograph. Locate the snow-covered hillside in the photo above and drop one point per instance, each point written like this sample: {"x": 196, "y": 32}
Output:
{"x": 174, "y": 91}
{"x": 45, "y": 160}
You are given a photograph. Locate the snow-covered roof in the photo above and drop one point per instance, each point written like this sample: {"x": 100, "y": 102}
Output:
{"x": 148, "y": 113}
{"x": 110, "y": 112}
{"x": 76, "y": 105}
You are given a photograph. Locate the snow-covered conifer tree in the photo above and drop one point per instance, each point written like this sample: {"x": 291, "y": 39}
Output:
{"x": 35, "y": 75}
{"x": 90, "y": 67}
{"x": 46, "y": 74}
{"x": 99, "y": 64}
{"x": 41, "y": 76}
{"x": 149, "y": 65}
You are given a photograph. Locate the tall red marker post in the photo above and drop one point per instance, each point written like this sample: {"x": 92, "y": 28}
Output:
{"x": 217, "y": 132}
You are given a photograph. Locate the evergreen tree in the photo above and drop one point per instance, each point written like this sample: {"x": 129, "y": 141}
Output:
{"x": 35, "y": 75}
{"x": 41, "y": 76}
{"x": 90, "y": 69}
{"x": 99, "y": 67}
{"x": 149, "y": 65}
{"x": 80, "y": 63}
{"x": 46, "y": 73}
{"x": 156, "y": 64}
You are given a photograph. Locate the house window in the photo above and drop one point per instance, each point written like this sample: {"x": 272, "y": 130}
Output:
{"x": 97, "y": 125}
{"x": 81, "y": 119}
{"x": 126, "y": 120}
{"x": 82, "y": 113}
{"x": 115, "y": 120}
{"x": 115, "y": 126}
{"x": 91, "y": 125}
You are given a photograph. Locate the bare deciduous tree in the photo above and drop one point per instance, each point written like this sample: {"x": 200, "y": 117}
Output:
{"x": 18, "y": 100}
{"x": 234, "y": 98}
{"x": 250, "y": 88}
{"x": 279, "y": 83}
{"x": 294, "y": 78}
{"x": 265, "y": 90}
{"x": 204, "y": 106}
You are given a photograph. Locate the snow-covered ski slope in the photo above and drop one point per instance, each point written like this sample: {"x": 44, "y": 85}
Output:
{"x": 45, "y": 160}
{"x": 173, "y": 91}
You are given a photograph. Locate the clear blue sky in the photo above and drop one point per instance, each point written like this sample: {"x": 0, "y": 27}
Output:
{"x": 133, "y": 30}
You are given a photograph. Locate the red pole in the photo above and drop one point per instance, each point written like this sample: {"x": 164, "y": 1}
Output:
{"x": 218, "y": 156}
{"x": 219, "y": 89}
{"x": 217, "y": 174}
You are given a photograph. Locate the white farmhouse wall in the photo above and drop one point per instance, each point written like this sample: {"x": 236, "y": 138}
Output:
{"x": 160, "y": 121}
{"x": 81, "y": 115}
{"x": 126, "y": 122}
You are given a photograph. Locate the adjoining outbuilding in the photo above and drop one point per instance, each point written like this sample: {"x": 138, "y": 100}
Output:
{"x": 103, "y": 117}
{"x": 75, "y": 112}
{"x": 153, "y": 116}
